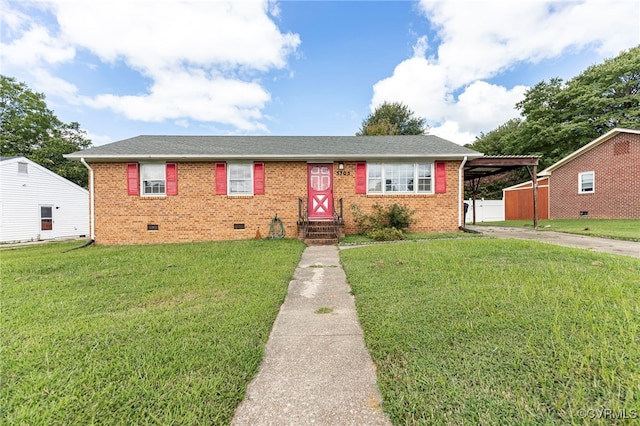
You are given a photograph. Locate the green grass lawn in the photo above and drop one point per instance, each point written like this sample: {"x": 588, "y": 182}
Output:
{"x": 500, "y": 331}
{"x": 165, "y": 334}
{"x": 622, "y": 229}
{"x": 409, "y": 236}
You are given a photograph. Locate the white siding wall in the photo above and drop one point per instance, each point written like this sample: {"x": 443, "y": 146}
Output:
{"x": 21, "y": 196}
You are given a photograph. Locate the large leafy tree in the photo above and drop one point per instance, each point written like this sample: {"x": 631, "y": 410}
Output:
{"x": 559, "y": 117}
{"x": 392, "y": 118}
{"x": 562, "y": 117}
{"x": 30, "y": 129}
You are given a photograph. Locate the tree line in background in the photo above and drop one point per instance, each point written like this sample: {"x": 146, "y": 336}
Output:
{"x": 559, "y": 117}
{"x": 31, "y": 130}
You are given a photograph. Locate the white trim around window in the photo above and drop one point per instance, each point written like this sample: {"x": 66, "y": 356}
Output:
{"x": 153, "y": 179}
{"x": 587, "y": 182}
{"x": 240, "y": 179}
{"x": 400, "y": 178}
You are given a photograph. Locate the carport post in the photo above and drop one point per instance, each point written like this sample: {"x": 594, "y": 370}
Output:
{"x": 535, "y": 196}
{"x": 475, "y": 184}
{"x": 534, "y": 186}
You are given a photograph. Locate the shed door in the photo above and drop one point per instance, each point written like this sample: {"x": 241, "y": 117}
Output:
{"x": 320, "y": 191}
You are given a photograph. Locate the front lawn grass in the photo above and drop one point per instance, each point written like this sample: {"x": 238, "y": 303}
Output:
{"x": 409, "y": 236}
{"x": 500, "y": 331}
{"x": 621, "y": 229}
{"x": 163, "y": 334}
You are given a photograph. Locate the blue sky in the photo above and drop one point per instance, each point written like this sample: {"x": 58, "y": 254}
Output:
{"x": 122, "y": 68}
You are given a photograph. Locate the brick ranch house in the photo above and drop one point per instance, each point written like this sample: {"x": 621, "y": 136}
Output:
{"x": 600, "y": 180}
{"x": 161, "y": 189}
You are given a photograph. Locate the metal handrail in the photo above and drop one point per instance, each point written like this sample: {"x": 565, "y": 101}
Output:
{"x": 337, "y": 215}
{"x": 302, "y": 210}
{"x": 303, "y": 216}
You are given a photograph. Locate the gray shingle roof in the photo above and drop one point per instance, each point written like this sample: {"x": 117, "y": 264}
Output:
{"x": 275, "y": 148}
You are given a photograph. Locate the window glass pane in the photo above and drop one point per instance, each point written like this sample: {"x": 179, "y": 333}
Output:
{"x": 375, "y": 178}
{"x": 154, "y": 187}
{"x": 153, "y": 179}
{"x": 586, "y": 182}
{"x": 398, "y": 177}
{"x": 23, "y": 168}
{"x": 424, "y": 177}
{"x": 45, "y": 212}
{"x": 240, "y": 180}
{"x": 320, "y": 178}
{"x": 46, "y": 218}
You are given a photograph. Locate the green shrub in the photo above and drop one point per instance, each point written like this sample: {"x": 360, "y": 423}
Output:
{"x": 386, "y": 234}
{"x": 398, "y": 216}
{"x": 361, "y": 220}
{"x": 393, "y": 216}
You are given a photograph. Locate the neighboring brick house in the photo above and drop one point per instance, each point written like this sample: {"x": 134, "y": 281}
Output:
{"x": 600, "y": 180}
{"x": 158, "y": 189}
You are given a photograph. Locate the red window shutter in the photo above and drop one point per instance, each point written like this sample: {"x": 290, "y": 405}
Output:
{"x": 441, "y": 177}
{"x": 221, "y": 178}
{"x": 133, "y": 186}
{"x": 258, "y": 178}
{"x": 361, "y": 178}
{"x": 172, "y": 179}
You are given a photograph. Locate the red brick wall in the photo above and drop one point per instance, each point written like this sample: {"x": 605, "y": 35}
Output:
{"x": 197, "y": 214}
{"x": 616, "y": 163}
{"x": 434, "y": 212}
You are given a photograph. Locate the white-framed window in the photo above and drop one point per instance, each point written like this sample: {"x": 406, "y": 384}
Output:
{"x": 240, "y": 178}
{"x": 586, "y": 182}
{"x": 153, "y": 179}
{"x": 46, "y": 218}
{"x": 424, "y": 178}
{"x": 23, "y": 168}
{"x": 399, "y": 178}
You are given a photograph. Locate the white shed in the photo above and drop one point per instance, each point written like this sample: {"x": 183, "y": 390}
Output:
{"x": 37, "y": 204}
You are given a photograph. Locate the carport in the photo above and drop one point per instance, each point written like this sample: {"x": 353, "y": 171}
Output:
{"x": 478, "y": 168}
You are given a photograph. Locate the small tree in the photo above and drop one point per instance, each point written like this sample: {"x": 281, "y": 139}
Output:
{"x": 392, "y": 119}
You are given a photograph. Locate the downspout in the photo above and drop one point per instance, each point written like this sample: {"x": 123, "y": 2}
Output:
{"x": 461, "y": 193}
{"x": 92, "y": 216}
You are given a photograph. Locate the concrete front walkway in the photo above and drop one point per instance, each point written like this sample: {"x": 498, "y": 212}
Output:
{"x": 604, "y": 245}
{"x": 316, "y": 369}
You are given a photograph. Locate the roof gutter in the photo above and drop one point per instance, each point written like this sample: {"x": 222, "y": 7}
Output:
{"x": 92, "y": 216}
{"x": 268, "y": 157}
{"x": 461, "y": 192}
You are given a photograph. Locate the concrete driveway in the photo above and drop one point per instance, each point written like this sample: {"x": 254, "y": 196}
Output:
{"x": 604, "y": 245}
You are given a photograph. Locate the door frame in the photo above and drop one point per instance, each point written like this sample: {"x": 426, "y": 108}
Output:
{"x": 321, "y": 198}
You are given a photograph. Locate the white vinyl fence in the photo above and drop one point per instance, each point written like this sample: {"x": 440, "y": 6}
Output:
{"x": 486, "y": 210}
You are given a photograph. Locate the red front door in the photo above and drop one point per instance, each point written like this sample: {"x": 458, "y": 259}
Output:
{"x": 320, "y": 186}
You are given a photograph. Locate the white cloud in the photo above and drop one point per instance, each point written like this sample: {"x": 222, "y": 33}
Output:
{"x": 450, "y": 130}
{"x": 35, "y": 47}
{"x": 203, "y": 58}
{"x": 419, "y": 83}
{"x": 482, "y": 39}
{"x": 55, "y": 86}
{"x": 98, "y": 140}
{"x": 196, "y": 95}
{"x": 151, "y": 35}
{"x": 483, "y": 105}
